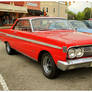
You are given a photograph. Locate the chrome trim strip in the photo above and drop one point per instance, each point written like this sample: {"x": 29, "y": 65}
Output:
{"x": 76, "y": 61}
{"x": 80, "y": 61}
{"x": 65, "y": 65}
{"x": 33, "y": 41}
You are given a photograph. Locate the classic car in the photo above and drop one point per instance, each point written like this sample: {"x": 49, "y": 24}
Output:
{"x": 58, "y": 48}
{"x": 80, "y": 26}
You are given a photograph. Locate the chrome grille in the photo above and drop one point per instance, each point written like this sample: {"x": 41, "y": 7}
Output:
{"x": 87, "y": 51}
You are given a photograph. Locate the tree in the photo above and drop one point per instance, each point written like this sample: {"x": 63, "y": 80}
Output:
{"x": 87, "y": 13}
{"x": 71, "y": 15}
{"x": 80, "y": 16}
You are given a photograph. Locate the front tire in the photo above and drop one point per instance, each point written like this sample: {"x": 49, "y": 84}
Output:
{"x": 9, "y": 50}
{"x": 48, "y": 66}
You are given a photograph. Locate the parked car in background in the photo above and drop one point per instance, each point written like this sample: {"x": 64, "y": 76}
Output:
{"x": 49, "y": 41}
{"x": 90, "y": 19}
{"x": 88, "y": 23}
{"x": 80, "y": 26}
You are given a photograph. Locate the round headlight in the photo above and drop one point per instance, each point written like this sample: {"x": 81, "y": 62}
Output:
{"x": 79, "y": 52}
{"x": 71, "y": 53}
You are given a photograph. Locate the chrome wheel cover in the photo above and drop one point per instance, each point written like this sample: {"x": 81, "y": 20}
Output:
{"x": 8, "y": 48}
{"x": 47, "y": 66}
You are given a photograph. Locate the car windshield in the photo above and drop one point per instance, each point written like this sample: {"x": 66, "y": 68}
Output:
{"x": 50, "y": 24}
{"x": 88, "y": 23}
{"x": 78, "y": 24}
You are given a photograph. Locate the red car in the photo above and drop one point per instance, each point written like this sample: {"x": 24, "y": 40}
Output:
{"x": 90, "y": 19}
{"x": 51, "y": 42}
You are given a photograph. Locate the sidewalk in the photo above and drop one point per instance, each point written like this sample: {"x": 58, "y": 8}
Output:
{"x": 5, "y": 27}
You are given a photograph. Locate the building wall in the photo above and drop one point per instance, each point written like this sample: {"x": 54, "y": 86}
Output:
{"x": 19, "y": 6}
{"x": 13, "y": 7}
{"x": 34, "y": 5}
{"x": 55, "y": 9}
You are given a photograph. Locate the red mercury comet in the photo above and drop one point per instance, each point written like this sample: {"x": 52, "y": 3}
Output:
{"x": 50, "y": 41}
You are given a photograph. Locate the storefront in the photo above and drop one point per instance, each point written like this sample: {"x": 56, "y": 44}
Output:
{"x": 8, "y": 18}
{"x": 9, "y": 12}
{"x": 33, "y": 8}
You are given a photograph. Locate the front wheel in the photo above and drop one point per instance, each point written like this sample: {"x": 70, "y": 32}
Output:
{"x": 9, "y": 50}
{"x": 48, "y": 66}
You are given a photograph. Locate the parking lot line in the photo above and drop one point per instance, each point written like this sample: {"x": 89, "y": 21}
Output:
{"x": 3, "y": 83}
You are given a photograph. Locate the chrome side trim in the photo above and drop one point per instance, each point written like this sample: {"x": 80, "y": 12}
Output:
{"x": 33, "y": 41}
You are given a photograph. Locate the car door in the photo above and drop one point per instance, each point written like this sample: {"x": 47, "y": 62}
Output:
{"x": 23, "y": 34}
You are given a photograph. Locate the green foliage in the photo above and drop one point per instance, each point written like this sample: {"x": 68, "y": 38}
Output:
{"x": 85, "y": 15}
{"x": 80, "y": 16}
{"x": 71, "y": 15}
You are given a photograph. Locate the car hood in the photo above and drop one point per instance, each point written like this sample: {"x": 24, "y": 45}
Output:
{"x": 84, "y": 30}
{"x": 69, "y": 37}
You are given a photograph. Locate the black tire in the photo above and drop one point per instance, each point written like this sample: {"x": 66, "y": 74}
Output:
{"x": 9, "y": 50}
{"x": 48, "y": 66}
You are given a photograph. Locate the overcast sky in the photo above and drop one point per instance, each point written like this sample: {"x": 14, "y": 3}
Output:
{"x": 79, "y": 6}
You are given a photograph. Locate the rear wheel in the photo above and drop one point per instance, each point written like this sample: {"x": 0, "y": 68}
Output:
{"x": 9, "y": 50}
{"x": 48, "y": 66}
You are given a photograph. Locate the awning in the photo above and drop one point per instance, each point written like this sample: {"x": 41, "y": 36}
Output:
{"x": 35, "y": 12}
{"x": 12, "y": 8}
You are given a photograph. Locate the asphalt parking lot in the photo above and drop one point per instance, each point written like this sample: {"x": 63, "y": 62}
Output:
{"x": 22, "y": 73}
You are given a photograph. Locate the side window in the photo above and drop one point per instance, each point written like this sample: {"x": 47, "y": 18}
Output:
{"x": 23, "y": 25}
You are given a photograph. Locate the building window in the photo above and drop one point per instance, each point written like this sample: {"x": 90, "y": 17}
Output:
{"x": 54, "y": 10}
{"x": 46, "y": 9}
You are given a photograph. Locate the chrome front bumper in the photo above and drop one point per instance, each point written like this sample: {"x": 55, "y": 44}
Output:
{"x": 72, "y": 64}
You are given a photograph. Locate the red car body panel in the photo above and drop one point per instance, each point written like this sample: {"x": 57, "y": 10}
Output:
{"x": 60, "y": 38}
{"x": 90, "y": 19}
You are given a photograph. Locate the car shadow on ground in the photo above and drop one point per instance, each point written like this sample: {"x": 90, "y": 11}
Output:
{"x": 80, "y": 73}
{"x": 76, "y": 74}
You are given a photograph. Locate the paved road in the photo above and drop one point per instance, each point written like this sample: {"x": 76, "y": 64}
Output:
{"x": 1, "y": 89}
{"x": 22, "y": 73}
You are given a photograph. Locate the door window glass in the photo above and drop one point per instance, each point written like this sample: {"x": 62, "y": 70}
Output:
{"x": 23, "y": 25}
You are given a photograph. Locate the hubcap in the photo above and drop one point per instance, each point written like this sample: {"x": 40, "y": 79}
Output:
{"x": 8, "y": 48}
{"x": 47, "y": 66}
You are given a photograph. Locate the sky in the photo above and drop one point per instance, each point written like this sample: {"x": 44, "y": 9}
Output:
{"x": 79, "y": 6}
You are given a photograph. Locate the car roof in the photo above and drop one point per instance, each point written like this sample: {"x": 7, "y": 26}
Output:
{"x": 36, "y": 17}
